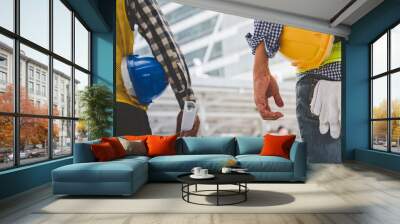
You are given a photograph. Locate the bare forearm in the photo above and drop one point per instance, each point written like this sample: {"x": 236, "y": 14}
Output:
{"x": 260, "y": 67}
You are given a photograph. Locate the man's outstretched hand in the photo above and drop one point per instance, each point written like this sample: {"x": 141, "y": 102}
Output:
{"x": 265, "y": 86}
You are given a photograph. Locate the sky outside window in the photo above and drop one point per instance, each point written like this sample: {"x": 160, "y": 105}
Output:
{"x": 7, "y": 14}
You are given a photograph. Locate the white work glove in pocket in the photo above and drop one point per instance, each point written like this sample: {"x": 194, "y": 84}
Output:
{"x": 326, "y": 103}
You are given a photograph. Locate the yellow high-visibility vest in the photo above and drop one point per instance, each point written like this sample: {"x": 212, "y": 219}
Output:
{"x": 124, "y": 47}
{"x": 307, "y": 49}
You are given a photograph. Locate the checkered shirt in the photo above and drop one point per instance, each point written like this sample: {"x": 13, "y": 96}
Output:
{"x": 270, "y": 34}
{"x": 155, "y": 29}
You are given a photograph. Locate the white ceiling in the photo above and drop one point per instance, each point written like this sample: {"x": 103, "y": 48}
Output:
{"x": 316, "y": 15}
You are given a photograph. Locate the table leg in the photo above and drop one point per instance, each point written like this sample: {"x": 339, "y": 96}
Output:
{"x": 245, "y": 193}
{"x": 188, "y": 190}
{"x": 217, "y": 194}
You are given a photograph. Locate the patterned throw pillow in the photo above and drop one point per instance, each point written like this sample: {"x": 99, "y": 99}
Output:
{"x": 134, "y": 147}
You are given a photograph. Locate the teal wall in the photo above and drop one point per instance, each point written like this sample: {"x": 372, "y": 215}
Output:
{"x": 99, "y": 16}
{"x": 24, "y": 178}
{"x": 356, "y": 85}
{"x": 103, "y": 59}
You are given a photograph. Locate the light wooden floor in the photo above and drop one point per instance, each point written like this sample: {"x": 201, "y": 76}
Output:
{"x": 379, "y": 189}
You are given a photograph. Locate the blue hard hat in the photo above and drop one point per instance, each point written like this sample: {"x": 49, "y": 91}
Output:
{"x": 143, "y": 78}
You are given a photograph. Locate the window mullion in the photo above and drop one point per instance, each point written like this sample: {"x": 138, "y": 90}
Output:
{"x": 371, "y": 89}
{"x": 16, "y": 69}
{"x": 50, "y": 81}
{"x": 389, "y": 104}
{"x": 73, "y": 82}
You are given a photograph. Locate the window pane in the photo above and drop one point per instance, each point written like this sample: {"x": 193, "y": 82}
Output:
{"x": 379, "y": 97}
{"x": 34, "y": 72}
{"x": 379, "y": 56}
{"x": 7, "y": 14}
{"x": 395, "y": 94}
{"x": 62, "y": 138}
{"x": 6, "y": 142}
{"x": 62, "y": 29}
{"x": 395, "y": 47}
{"x": 195, "y": 32}
{"x": 35, "y": 21}
{"x": 6, "y": 74}
{"x": 33, "y": 139}
{"x": 62, "y": 89}
{"x": 395, "y": 136}
{"x": 198, "y": 54}
{"x": 81, "y": 132}
{"x": 81, "y": 45}
{"x": 379, "y": 135}
{"x": 181, "y": 14}
{"x": 81, "y": 81}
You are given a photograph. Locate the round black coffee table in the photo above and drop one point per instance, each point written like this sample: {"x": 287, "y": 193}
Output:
{"x": 238, "y": 179}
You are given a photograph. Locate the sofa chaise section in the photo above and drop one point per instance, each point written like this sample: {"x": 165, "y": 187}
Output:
{"x": 87, "y": 177}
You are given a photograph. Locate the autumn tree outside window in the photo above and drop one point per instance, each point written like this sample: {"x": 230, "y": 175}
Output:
{"x": 44, "y": 64}
{"x": 385, "y": 91}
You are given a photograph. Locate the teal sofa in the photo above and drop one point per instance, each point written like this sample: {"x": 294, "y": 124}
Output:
{"x": 125, "y": 176}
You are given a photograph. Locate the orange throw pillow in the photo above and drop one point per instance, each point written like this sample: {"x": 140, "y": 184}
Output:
{"x": 277, "y": 145}
{"x": 161, "y": 145}
{"x": 103, "y": 152}
{"x": 136, "y": 137}
{"x": 116, "y": 145}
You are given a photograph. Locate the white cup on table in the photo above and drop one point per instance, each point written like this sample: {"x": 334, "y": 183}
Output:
{"x": 197, "y": 171}
{"x": 203, "y": 172}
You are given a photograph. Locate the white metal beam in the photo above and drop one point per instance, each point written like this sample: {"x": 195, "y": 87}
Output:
{"x": 272, "y": 15}
{"x": 348, "y": 12}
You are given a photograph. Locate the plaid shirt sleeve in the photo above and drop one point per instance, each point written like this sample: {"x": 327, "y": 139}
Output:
{"x": 155, "y": 29}
{"x": 266, "y": 32}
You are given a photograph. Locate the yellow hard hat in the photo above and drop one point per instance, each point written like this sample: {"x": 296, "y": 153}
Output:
{"x": 304, "y": 48}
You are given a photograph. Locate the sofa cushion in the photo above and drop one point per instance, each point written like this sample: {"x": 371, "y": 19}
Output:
{"x": 206, "y": 145}
{"x": 83, "y": 153}
{"x": 161, "y": 145}
{"x": 277, "y": 145}
{"x": 257, "y": 163}
{"x": 112, "y": 171}
{"x": 248, "y": 145}
{"x": 185, "y": 163}
{"x": 134, "y": 147}
{"x": 133, "y": 158}
{"x": 116, "y": 145}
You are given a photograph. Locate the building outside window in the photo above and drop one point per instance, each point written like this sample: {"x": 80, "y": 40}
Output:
{"x": 385, "y": 92}
{"x": 30, "y": 87}
{"x": 3, "y": 61}
{"x": 30, "y": 72}
{"x": 55, "y": 128}
{"x": 3, "y": 72}
{"x": 43, "y": 90}
{"x": 44, "y": 77}
{"x": 38, "y": 89}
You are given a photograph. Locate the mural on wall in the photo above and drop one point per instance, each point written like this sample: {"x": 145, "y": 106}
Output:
{"x": 142, "y": 79}
{"x": 194, "y": 72}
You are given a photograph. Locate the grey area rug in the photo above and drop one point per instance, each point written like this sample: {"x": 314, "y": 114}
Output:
{"x": 166, "y": 198}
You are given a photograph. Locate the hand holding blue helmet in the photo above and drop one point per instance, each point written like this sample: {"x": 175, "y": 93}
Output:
{"x": 143, "y": 77}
